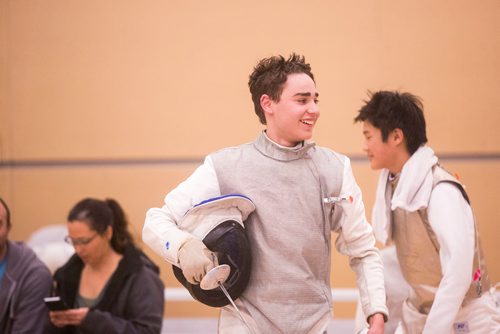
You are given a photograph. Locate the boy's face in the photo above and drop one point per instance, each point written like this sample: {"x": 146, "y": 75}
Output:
{"x": 292, "y": 119}
{"x": 381, "y": 154}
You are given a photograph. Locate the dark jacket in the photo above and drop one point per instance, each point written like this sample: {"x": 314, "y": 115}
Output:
{"x": 24, "y": 285}
{"x": 132, "y": 301}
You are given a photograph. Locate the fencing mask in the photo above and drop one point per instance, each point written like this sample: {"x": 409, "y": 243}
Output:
{"x": 218, "y": 222}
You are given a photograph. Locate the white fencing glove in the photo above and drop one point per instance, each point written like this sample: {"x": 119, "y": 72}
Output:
{"x": 195, "y": 260}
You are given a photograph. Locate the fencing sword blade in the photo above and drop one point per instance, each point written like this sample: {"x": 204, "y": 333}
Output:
{"x": 216, "y": 278}
{"x": 234, "y": 305}
{"x": 221, "y": 286}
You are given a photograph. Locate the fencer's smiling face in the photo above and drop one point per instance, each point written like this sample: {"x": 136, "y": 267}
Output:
{"x": 292, "y": 119}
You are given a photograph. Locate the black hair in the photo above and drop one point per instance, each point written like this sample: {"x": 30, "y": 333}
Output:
{"x": 101, "y": 214}
{"x": 389, "y": 110}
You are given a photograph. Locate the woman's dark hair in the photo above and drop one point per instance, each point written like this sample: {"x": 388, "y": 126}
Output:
{"x": 388, "y": 110}
{"x": 101, "y": 214}
{"x": 7, "y": 211}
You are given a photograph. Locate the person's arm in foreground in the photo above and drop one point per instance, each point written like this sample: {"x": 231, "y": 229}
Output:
{"x": 357, "y": 241}
{"x": 451, "y": 218}
{"x": 162, "y": 234}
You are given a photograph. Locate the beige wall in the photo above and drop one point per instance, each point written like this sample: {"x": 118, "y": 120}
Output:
{"x": 139, "y": 80}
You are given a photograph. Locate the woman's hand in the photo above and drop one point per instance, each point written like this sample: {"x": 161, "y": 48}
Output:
{"x": 72, "y": 316}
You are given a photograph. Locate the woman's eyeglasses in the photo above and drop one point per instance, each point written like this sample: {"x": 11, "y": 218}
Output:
{"x": 79, "y": 241}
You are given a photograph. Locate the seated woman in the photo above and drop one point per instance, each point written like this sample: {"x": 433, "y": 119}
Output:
{"x": 110, "y": 285}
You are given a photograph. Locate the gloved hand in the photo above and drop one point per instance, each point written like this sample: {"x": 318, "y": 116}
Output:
{"x": 195, "y": 260}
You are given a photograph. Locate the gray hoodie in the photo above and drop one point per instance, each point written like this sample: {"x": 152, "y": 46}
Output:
{"x": 22, "y": 289}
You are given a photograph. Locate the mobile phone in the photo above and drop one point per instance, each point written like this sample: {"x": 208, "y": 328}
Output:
{"x": 55, "y": 303}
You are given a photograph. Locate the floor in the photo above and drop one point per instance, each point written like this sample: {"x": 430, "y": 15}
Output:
{"x": 209, "y": 326}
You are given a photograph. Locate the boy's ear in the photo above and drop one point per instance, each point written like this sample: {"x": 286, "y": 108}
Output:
{"x": 265, "y": 103}
{"x": 398, "y": 136}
